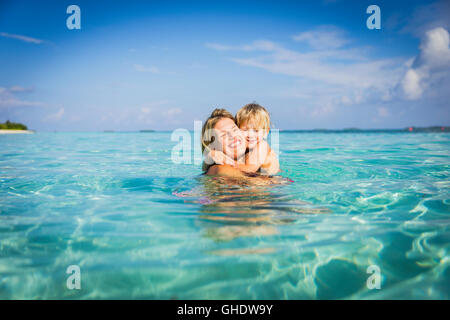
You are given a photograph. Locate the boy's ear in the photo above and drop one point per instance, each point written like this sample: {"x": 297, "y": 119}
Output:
{"x": 266, "y": 133}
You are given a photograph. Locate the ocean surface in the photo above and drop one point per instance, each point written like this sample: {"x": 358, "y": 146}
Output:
{"x": 140, "y": 226}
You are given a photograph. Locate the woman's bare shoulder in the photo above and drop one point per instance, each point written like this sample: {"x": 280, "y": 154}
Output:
{"x": 224, "y": 170}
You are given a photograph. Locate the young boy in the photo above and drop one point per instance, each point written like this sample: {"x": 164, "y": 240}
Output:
{"x": 254, "y": 121}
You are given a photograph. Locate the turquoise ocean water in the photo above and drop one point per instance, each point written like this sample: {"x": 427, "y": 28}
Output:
{"x": 142, "y": 227}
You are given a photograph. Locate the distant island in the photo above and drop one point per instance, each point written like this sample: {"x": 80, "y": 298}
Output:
{"x": 13, "y": 127}
{"x": 356, "y": 130}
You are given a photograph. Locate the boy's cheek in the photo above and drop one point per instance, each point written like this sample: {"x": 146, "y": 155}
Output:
{"x": 263, "y": 134}
{"x": 252, "y": 144}
{"x": 259, "y": 138}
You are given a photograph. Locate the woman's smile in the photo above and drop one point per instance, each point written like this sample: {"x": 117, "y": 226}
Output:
{"x": 235, "y": 143}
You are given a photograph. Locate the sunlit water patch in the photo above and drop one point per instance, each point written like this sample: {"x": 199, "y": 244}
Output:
{"x": 140, "y": 226}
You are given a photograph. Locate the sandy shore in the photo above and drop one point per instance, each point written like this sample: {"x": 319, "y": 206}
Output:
{"x": 15, "y": 131}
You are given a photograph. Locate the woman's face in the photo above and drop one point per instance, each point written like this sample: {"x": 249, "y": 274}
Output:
{"x": 230, "y": 139}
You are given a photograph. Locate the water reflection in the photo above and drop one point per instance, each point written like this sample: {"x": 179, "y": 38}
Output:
{"x": 253, "y": 207}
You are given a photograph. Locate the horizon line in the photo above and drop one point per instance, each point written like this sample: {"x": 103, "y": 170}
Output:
{"x": 436, "y": 128}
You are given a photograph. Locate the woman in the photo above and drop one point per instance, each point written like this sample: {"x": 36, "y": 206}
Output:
{"x": 221, "y": 133}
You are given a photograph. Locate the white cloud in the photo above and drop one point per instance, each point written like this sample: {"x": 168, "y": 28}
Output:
{"x": 323, "y": 37}
{"x": 431, "y": 67}
{"x": 383, "y": 112}
{"x": 172, "y": 112}
{"x": 260, "y": 45}
{"x": 148, "y": 113}
{"x": 327, "y": 62}
{"x": 55, "y": 116}
{"x": 351, "y": 69}
{"x": 142, "y": 68}
{"x": 21, "y": 37}
{"x": 8, "y": 98}
{"x": 435, "y": 49}
{"x": 378, "y": 73}
{"x": 154, "y": 105}
{"x": 146, "y": 110}
{"x": 322, "y": 110}
{"x": 410, "y": 84}
{"x": 334, "y": 73}
{"x": 19, "y": 89}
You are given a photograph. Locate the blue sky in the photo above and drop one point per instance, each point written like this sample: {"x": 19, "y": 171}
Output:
{"x": 163, "y": 64}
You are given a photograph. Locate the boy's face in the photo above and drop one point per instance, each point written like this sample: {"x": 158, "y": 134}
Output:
{"x": 252, "y": 133}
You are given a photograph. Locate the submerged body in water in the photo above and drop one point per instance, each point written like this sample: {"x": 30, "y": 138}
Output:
{"x": 242, "y": 207}
{"x": 139, "y": 226}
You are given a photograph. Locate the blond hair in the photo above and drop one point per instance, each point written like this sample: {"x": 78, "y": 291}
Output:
{"x": 207, "y": 136}
{"x": 254, "y": 113}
